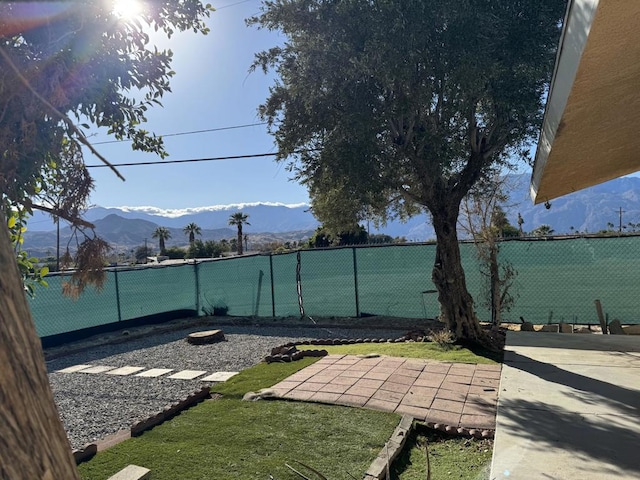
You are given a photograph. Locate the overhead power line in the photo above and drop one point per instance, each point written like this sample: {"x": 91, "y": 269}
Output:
{"x": 191, "y": 160}
{"x": 192, "y": 132}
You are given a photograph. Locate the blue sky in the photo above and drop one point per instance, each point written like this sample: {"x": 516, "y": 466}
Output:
{"x": 211, "y": 89}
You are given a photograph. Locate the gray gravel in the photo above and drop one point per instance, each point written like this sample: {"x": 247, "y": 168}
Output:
{"x": 93, "y": 406}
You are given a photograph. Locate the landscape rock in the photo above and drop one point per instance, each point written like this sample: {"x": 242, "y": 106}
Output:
{"x": 615, "y": 328}
{"x": 553, "y": 328}
{"x": 632, "y": 329}
{"x": 205, "y": 337}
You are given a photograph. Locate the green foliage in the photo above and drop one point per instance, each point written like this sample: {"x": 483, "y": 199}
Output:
{"x": 542, "y": 231}
{"x": 323, "y": 237}
{"x": 162, "y": 234}
{"x": 208, "y": 249}
{"x": 176, "y": 253}
{"x": 74, "y": 66}
{"x": 192, "y": 230}
{"x": 30, "y": 272}
{"x": 141, "y": 253}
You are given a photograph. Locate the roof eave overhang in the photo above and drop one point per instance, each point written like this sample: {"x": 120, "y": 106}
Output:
{"x": 591, "y": 127}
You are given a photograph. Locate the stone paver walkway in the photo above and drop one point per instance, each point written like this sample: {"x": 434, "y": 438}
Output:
{"x": 454, "y": 395}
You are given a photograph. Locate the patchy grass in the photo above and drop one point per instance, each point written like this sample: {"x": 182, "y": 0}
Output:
{"x": 261, "y": 376}
{"x": 230, "y": 439}
{"x": 461, "y": 458}
{"x": 427, "y": 350}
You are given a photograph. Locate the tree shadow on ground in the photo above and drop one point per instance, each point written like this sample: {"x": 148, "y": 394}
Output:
{"x": 591, "y": 390}
{"x": 609, "y": 433}
{"x": 604, "y": 438}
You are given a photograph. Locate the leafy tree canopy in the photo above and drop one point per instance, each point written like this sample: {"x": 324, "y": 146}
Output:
{"x": 69, "y": 66}
{"x": 394, "y": 107}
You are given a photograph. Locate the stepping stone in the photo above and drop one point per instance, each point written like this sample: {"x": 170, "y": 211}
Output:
{"x": 187, "y": 374}
{"x": 219, "y": 377}
{"x": 124, "y": 370}
{"x": 132, "y": 472}
{"x": 154, "y": 372}
{"x": 73, "y": 369}
{"x": 96, "y": 369}
{"x": 207, "y": 336}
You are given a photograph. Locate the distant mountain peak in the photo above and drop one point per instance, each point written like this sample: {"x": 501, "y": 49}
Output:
{"x": 181, "y": 212}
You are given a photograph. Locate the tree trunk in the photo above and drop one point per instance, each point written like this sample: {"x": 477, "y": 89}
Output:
{"x": 494, "y": 284}
{"x": 239, "y": 247}
{"x": 33, "y": 443}
{"x": 448, "y": 276}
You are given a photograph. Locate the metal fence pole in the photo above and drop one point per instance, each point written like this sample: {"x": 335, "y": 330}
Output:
{"x": 115, "y": 274}
{"x": 355, "y": 281}
{"x": 273, "y": 295}
{"x": 197, "y": 278}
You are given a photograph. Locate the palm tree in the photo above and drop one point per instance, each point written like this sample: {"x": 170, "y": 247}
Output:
{"x": 162, "y": 234}
{"x": 239, "y": 219}
{"x": 192, "y": 230}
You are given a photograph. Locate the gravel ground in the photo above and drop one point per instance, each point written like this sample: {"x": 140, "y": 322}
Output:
{"x": 93, "y": 406}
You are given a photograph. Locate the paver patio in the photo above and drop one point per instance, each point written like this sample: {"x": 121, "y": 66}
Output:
{"x": 452, "y": 394}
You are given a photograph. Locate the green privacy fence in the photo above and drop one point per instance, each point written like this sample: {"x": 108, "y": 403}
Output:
{"x": 557, "y": 280}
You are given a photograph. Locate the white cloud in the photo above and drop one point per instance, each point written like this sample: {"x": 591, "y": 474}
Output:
{"x": 180, "y": 212}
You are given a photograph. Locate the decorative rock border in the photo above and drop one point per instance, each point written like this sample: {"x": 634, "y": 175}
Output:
{"x": 288, "y": 352}
{"x": 462, "y": 431}
{"x": 169, "y": 412}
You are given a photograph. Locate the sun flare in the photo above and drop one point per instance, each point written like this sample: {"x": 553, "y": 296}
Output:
{"x": 127, "y": 9}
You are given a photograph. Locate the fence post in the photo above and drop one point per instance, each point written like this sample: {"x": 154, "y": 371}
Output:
{"x": 355, "y": 281}
{"x": 273, "y": 295}
{"x": 115, "y": 274}
{"x": 197, "y": 277}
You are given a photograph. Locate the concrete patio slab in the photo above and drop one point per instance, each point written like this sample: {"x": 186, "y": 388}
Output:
{"x": 124, "y": 371}
{"x": 219, "y": 376}
{"x": 154, "y": 372}
{"x": 569, "y": 407}
{"x": 74, "y": 368}
{"x": 187, "y": 374}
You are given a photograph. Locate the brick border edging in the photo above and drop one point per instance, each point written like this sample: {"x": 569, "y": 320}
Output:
{"x": 85, "y": 453}
{"x": 171, "y": 411}
{"x": 89, "y": 451}
{"x": 392, "y": 448}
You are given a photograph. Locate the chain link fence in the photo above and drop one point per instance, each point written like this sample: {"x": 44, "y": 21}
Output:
{"x": 557, "y": 280}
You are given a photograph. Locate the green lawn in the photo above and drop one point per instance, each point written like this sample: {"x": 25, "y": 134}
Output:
{"x": 232, "y": 439}
{"x": 460, "y": 458}
{"x": 425, "y": 350}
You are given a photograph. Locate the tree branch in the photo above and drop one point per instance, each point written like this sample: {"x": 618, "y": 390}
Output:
{"x": 81, "y": 137}
{"x": 75, "y": 221}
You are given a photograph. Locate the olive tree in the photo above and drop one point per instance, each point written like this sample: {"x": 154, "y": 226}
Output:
{"x": 397, "y": 108}
{"x": 64, "y": 67}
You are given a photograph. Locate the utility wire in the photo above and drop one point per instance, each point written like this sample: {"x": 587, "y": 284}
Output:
{"x": 191, "y": 160}
{"x": 192, "y": 132}
{"x": 194, "y": 160}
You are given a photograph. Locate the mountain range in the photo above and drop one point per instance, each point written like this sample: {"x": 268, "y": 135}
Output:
{"x": 125, "y": 228}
